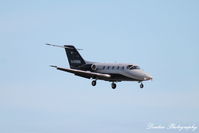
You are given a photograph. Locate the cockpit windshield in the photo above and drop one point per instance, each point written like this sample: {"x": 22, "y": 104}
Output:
{"x": 131, "y": 67}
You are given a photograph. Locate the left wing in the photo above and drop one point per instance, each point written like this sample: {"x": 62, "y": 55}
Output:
{"x": 83, "y": 73}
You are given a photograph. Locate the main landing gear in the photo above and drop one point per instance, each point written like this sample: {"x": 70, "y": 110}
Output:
{"x": 94, "y": 82}
{"x": 141, "y": 85}
{"x": 113, "y": 85}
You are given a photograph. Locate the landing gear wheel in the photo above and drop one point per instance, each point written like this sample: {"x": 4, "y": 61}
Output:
{"x": 141, "y": 85}
{"x": 113, "y": 85}
{"x": 94, "y": 83}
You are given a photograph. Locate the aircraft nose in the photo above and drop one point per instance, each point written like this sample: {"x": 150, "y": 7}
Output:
{"x": 148, "y": 77}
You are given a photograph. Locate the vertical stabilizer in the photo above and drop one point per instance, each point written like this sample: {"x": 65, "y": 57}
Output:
{"x": 74, "y": 58}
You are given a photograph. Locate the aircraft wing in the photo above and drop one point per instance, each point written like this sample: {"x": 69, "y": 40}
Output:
{"x": 87, "y": 74}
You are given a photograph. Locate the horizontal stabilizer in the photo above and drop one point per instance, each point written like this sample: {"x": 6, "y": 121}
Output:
{"x": 60, "y": 46}
{"x": 53, "y": 66}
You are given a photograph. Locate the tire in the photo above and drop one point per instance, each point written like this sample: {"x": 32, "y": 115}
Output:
{"x": 141, "y": 85}
{"x": 113, "y": 85}
{"x": 94, "y": 83}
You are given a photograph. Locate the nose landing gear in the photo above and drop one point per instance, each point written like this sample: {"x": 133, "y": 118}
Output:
{"x": 141, "y": 85}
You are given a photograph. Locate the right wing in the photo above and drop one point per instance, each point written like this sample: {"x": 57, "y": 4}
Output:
{"x": 88, "y": 74}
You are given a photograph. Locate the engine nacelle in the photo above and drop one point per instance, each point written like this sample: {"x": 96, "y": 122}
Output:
{"x": 93, "y": 67}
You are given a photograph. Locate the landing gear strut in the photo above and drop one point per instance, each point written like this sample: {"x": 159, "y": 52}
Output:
{"x": 94, "y": 82}
{"x": 141, "y": 85}
{"x": 113, "y": 85}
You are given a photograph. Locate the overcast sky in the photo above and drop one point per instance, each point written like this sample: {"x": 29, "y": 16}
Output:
{"x": 159, "y": 35}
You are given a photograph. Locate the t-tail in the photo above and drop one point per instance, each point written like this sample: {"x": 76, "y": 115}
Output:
{"x": 75, "y": 60}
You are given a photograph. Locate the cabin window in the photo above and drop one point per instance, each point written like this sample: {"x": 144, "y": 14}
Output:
{"x": 123, "y": 67}
{"x": 118, "y": 68}
{"x": 113, "y": 67}
{"x": 103, "y": 67}
{"x": 108, "y": 67}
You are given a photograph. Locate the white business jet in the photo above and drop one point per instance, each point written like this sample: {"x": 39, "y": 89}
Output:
{"x": 112, "y": 72}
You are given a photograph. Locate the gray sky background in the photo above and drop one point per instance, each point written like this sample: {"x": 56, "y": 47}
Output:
{"x": 161, "y": 36}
